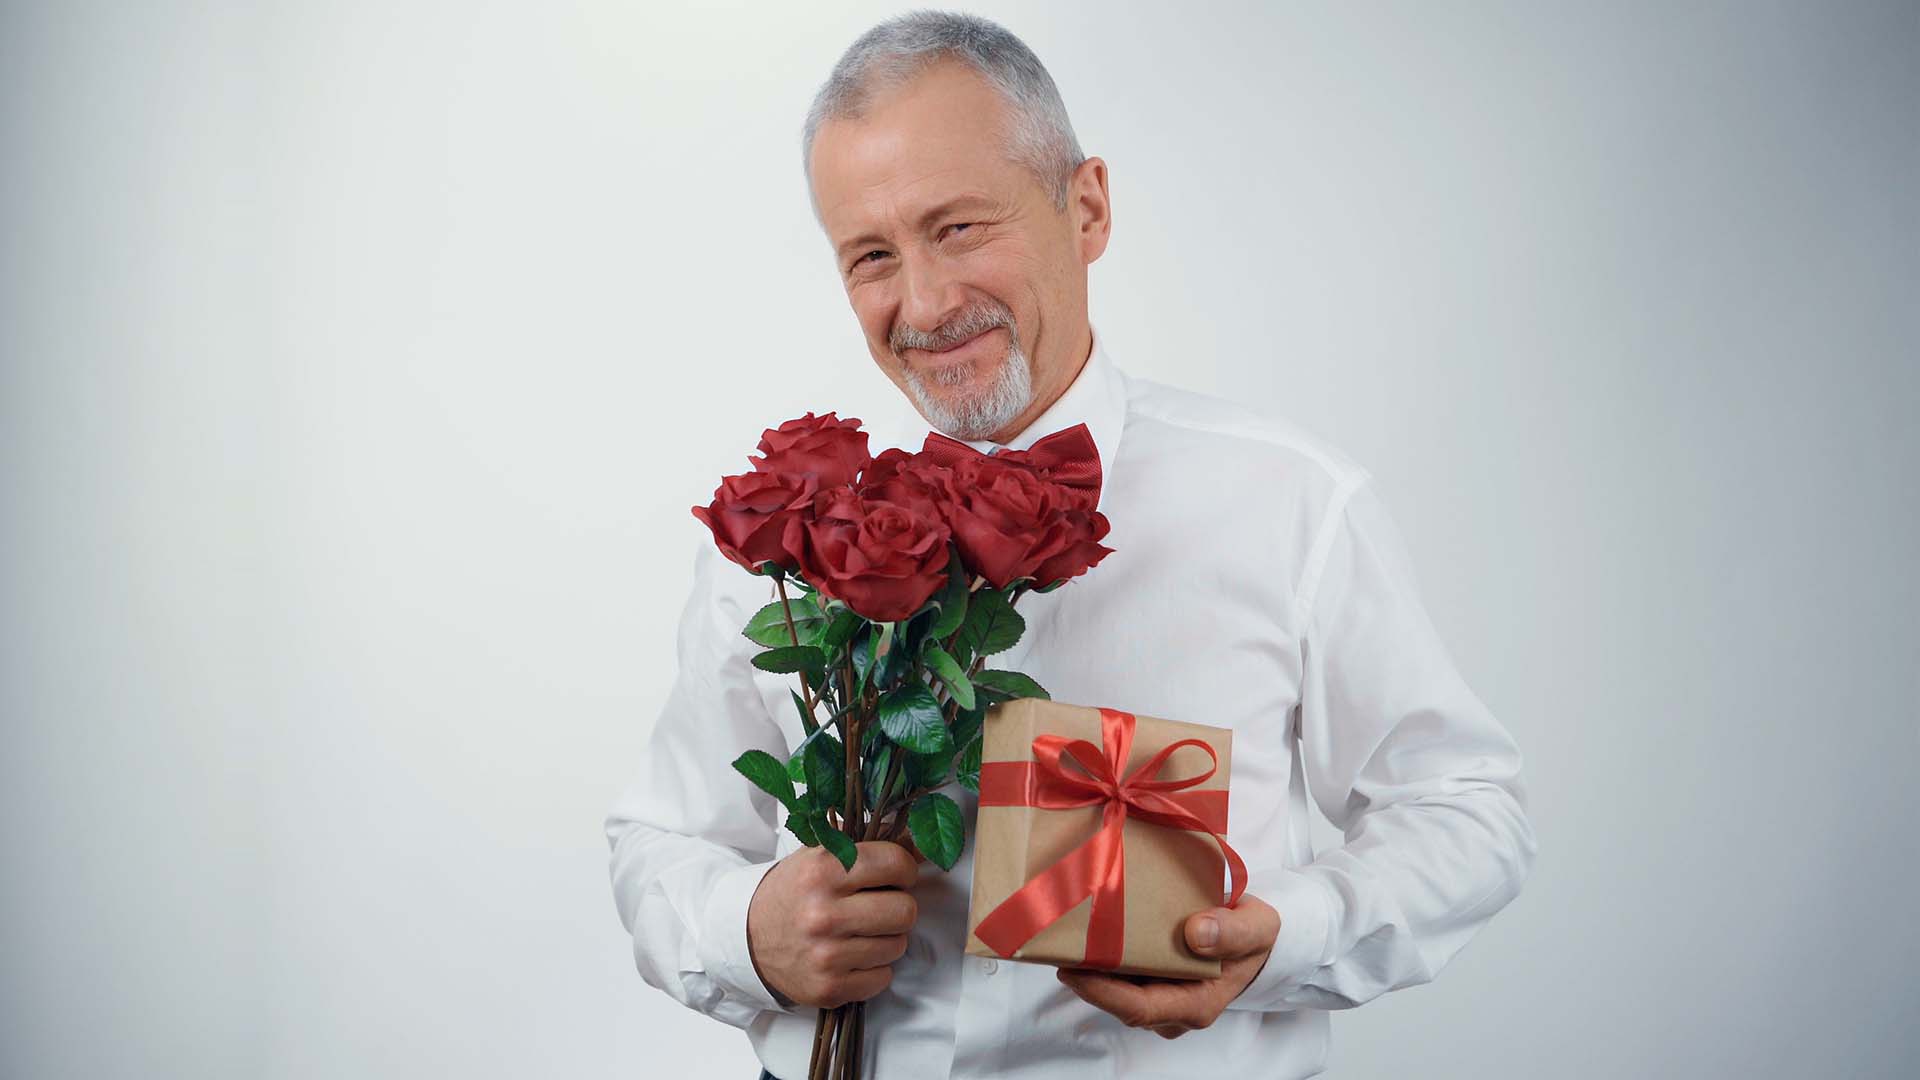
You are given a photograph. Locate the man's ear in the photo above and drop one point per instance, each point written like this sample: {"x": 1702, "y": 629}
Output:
{"x": 1091, "y": 208}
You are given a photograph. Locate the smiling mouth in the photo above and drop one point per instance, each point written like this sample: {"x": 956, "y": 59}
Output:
{"x": 958, "y": 345}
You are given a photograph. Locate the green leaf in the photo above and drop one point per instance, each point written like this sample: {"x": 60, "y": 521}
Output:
{"x": 767, "y": 774}
{"x": 875, "y": 767}
{"x": 836, "y": 841}
{"x": 911, "y": 717}
{"x": 801, "y": 829}
{"x": 1007, "y": 685}
{"x": 948, "y": 669}
{"x": 967, "y": 724}
{"x": 826, "y": 764}
{"x": 838, "y": 630}
{"x": 807, "y": 722}
{"x": 991, "y": 625}
{"x": 797, "y": 759}
{"x": 801, "y": 825}
{"x": 769, "y": 625}
{"x": 863, "y": 651}
{"x": 791, "y": 658}
{"x": 900, "y": 654}
{"x": 968, "y": 767}
{"x": 929, "y": 770}
{"x": 952, "y": 600}
{"x": 938, "y": 829}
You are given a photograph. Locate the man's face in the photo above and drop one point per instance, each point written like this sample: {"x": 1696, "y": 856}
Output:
{"x": 969, "y": 285}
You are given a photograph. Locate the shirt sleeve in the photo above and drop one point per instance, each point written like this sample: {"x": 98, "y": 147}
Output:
{"x": 691, "y": 838}
{"x": 1414, "y": 770}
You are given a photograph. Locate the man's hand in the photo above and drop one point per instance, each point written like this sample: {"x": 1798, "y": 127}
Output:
{"x": 1241, "y": 937}
{"x": 822, "y": 935}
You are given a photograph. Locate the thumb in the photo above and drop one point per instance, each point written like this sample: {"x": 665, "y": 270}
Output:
{"x": 1234, "y": 932}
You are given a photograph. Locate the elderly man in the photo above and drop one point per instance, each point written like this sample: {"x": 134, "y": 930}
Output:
{"x": 1256, "y": 583}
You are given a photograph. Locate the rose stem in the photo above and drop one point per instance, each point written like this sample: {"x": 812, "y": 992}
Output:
{"x": 859, "y": 1040}
{"x": 820, "y": 1038}
{"x": 806, "y": 687}
{"x": 844, "y": 1014}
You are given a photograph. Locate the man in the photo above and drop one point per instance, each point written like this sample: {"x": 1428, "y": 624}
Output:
{"x": 1256, "y": 583}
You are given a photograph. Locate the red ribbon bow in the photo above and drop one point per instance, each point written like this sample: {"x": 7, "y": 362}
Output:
{"x": 1098, "y": 867}
{"x": 1067, "y": 457}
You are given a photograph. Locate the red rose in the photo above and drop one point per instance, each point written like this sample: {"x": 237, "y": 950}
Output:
{"x": 883, "y": 559}
{"x": 1010, "y": 523}
{"x": 1078, "y": 550}
{"x": 756, "y": 517}
{"x": 905, "y": 479}
{"x": 841, "y": 505}
{"x": 830, "y": 450}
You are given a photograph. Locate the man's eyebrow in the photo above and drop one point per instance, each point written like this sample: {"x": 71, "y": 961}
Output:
{"x": 947, "y": 207}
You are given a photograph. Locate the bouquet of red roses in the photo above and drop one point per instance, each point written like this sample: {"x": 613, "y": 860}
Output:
{"x": 906, "y": 570}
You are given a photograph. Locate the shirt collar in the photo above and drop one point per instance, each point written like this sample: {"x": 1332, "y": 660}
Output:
{"x": 1097, "y": 397}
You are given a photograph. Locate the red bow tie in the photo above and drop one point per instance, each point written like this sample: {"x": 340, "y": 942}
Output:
{"x": 1067, "y": 457}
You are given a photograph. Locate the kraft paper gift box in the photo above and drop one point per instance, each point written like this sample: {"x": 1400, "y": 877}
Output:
{"x": 1169, "y": 872}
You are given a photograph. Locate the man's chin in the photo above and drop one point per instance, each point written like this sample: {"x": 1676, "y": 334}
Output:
{"x": 954, "y": 405}
{"x": 959, "y": 381}
{"x": 967, "y": 416}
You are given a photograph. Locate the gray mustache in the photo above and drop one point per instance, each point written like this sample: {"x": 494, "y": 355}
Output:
{"x": 967, "y": 324}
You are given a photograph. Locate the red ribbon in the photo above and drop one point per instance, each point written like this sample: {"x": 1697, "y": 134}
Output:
{"x": 1067, "y": 457}
{"x": 1098, "y": 867}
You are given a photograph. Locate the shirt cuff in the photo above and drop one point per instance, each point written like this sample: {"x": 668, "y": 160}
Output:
{"x": 1300, "y": 949}
{"x": 723, "y": 939}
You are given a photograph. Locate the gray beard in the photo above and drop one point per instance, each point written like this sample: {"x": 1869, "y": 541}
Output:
{"x": 982, "y": 414}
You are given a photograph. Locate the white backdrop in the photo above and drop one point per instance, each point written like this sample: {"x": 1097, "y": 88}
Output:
{"x": 361, "y": 362}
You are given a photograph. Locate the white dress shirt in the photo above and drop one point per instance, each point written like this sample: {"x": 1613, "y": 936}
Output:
{"x": 1256, "y": 583}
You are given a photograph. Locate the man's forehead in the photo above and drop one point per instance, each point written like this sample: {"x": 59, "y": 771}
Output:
{"x": 863, "y": 169}
{"x": 939, "y": 138}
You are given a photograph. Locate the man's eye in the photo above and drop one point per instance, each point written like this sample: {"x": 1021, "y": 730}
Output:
{"x": 957, "y": 226}
{"x": 869, "y": 255}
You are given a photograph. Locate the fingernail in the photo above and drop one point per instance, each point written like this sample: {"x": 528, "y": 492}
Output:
{"x": 1207, "y": 934}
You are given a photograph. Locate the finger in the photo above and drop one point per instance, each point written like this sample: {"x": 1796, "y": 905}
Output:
{"x": 861, "y": 953}
{"x": 1234, "y": 932}
{"x": 861, "y": 985}
{"x": 880, "y": 864}
{"x": 1132, "y": 1003}
{"x": 876, "y": 912}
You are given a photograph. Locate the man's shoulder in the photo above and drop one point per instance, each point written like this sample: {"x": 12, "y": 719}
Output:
{"x": 1214, "y": 424}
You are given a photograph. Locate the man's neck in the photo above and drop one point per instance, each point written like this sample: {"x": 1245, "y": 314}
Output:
{"x": 1044, "y": 400}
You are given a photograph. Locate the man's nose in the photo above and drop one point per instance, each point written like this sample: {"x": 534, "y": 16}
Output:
{"x": 929, "y": 294}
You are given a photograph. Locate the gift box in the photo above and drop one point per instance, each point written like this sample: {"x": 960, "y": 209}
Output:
{"x": 1099, "y": 833}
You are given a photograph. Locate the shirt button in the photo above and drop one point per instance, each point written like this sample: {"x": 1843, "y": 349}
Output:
{"x": 988, "y": 965}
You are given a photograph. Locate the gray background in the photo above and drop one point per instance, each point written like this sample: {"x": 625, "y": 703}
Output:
{"x": 361, "y": 362}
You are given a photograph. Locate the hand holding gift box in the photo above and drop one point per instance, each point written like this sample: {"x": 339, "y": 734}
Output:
{"x": 1099, "y": 833}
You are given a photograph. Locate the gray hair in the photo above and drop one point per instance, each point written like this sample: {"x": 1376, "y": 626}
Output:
{"x": 1041, "y": 137}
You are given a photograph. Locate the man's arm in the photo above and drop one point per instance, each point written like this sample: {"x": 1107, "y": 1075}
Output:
{"x": 691, "y": 838}
{"x": 1414, "y": 770}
